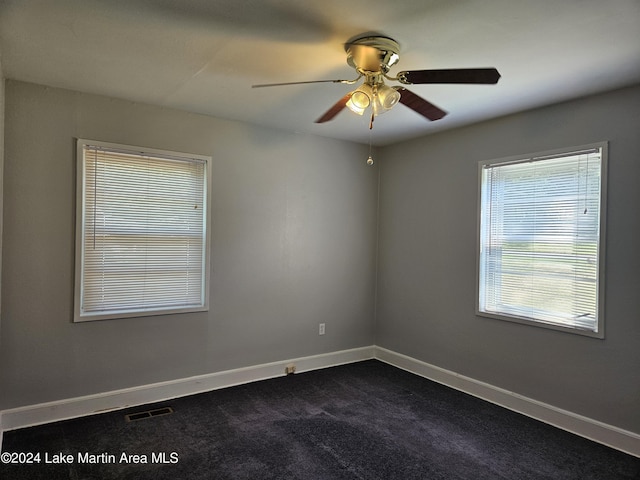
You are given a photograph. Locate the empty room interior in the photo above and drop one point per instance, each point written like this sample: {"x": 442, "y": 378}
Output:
{"x": 442, "y": 191}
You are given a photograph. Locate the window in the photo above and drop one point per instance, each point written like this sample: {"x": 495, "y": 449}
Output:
{"x": 541, "y": 239}
{"x": 142, "y": 232}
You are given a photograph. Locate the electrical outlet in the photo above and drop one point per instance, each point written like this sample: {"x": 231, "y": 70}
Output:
{"x": 290, "y": 369}
{"x": 321, "y": 329}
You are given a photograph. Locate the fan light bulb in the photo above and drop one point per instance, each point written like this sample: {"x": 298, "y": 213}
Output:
{"x": 384, "y": 99}
{"x": 354, "y": 108}
{"x": 379, "y": 97}
{"x": 360, "y": 99}
{"x": 388, "y": 96}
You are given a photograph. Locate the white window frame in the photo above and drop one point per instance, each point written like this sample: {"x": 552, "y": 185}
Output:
{"x": 80, "y": 313}
{"x": 483, "y": 270}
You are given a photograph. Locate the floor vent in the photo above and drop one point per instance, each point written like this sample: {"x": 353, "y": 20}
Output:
{"x": 132, "y": 417}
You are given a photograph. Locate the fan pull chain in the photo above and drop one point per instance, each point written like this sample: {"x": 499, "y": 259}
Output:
{"x": 370, "y": 159}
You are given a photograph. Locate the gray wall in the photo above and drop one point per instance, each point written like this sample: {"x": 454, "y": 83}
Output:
{"x": 427, "y": 261}
{"x": 294, "y": 226}
{"x": 293, "y": 245}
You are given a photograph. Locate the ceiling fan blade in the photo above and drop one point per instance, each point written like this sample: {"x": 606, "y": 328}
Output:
{"x": 454, "y": 75}
{"x": 335, "y": 110}
{"x": 419, "y": 104}
{"x": 350, "y": 82}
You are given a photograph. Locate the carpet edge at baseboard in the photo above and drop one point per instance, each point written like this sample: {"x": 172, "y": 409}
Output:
{"x": 609, "y": 435}
{"x": 31, "y": 415}
{"x": 38, "y": 414}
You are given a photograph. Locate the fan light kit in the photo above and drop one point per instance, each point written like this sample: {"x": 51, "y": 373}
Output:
{"x": 372, "y": 57}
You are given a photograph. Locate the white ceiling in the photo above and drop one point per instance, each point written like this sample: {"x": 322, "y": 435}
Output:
{"x": 204, "y": 55}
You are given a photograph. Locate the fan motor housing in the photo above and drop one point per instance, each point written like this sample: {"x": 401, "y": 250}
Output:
{"x": 374, "y": 54}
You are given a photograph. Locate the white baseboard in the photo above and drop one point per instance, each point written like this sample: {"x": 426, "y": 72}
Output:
{"x": 614, "y": 437}
{"x": 11, "y": 419}
{"x": 31, "y": 415}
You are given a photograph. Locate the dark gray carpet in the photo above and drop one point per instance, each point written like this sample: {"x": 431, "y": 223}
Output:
{"x": 366, "y": 421}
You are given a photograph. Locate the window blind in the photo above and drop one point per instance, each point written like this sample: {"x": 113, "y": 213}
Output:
{"x": 540, "y": 239}
{"x": 143, "y": 238}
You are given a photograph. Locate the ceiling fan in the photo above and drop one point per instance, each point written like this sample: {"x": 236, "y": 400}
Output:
{"x": 372, "y": 57}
